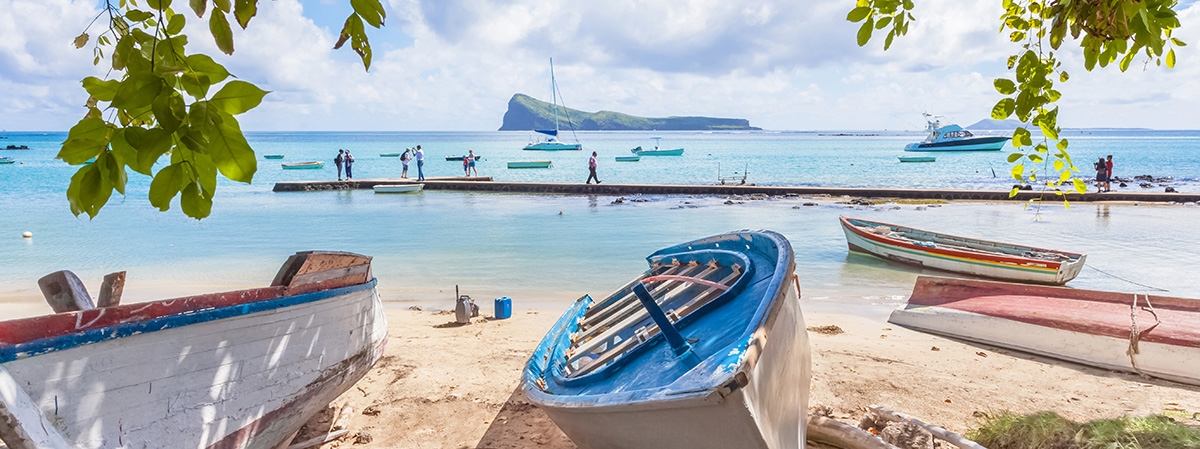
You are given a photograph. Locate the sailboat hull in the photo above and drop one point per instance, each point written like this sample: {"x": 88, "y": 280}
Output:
{"x": 554, "y": 146}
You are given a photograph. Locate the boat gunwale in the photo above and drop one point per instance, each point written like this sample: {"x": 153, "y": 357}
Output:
{"x": 999, "y": 258}
{"x": 202, "y": 311}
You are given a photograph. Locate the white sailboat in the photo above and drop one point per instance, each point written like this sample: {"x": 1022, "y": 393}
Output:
{"x": 551, "y": 142}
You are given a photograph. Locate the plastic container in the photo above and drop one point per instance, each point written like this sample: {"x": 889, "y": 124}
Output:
{"x": 503, "y": 308}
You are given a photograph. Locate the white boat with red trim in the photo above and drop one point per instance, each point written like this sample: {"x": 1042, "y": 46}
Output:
{"x": 1147, "y": 334}
{"x": 706, "y": 349}
{"x": 240, "y": 369}
{"x": 964, "y": 255}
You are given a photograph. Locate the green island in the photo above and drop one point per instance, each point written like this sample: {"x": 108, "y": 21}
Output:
{"x": 526, "y": 113}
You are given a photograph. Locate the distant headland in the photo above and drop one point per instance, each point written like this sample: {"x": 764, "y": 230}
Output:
{"x": 526, "y": 113}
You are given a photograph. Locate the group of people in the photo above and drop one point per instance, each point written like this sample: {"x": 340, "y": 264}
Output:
{"x": 468, "y": 161}
{"x": 409, "y": 155}
{"x": 344, "y": 161}
{"x": 1104, "y": 174}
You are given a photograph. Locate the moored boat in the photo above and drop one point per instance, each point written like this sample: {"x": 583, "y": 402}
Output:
{"x": 529, "y": 164}
{"x": 460, "y": 158}
{"x": 964, "y": 255}
{"x": 309, "y": 165}
{"x": 953, "y": 138}
{"x": 240, "y": 369}
{"x": 657, "y": 151}
{"x": 389, "y": 154}
{"x": 633, "y": 158}
{"x": 551, "y": 142}
{"x": 398, "y": 188}
{"x": 272, "y": 156}
{"x": 918, "y": 159}
{"x": 1148, "y": 334}
{"x": 7, "y": 160}
{"x": 707, "y": 348}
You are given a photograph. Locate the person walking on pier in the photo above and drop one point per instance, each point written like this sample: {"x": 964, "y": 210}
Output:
{"x": 592, "y": 169}
{"x": 338, "y": 162}
{"x": 349, "y": 161}
{"x": 404, "y": 158}
{"x": 420, "y": 157}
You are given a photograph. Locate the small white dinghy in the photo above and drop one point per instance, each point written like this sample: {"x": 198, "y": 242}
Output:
{"x": 398, "y": 188}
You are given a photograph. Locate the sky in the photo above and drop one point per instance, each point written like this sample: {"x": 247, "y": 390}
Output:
{"x": 453, "y": 65}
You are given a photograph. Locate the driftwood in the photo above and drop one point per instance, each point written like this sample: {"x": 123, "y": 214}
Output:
{"x": 839, "y": 434}
{"x": 317, "y": 441}
{"x": 938, "y": 432}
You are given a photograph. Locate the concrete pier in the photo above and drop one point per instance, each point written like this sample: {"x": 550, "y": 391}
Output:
{"x": 485, "y": 184}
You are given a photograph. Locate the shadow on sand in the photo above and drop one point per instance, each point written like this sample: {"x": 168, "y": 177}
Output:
{"x": 521, "y": 424}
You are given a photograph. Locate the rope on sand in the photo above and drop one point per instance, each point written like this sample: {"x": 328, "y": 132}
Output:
{"x": 1126, "y": 280}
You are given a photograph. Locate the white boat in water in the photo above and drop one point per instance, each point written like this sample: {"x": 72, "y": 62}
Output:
{"x": 398, "y": 188}
{"x": 551, "y": 142}
{"x": 953, "y": 138}
{"x": 706, "y": 349}
{"x": 240, "y": 369}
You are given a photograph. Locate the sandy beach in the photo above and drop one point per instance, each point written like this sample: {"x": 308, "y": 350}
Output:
{"x": 440, "y": 385}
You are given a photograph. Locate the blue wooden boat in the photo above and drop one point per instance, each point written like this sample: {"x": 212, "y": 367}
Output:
{"x": 529, "y": 164}
{"x": 706, "y": 349}
{"x": 633, "y": 158}
{"x": 272, "y": 156}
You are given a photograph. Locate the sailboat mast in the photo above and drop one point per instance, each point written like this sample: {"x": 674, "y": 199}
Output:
{"x": 554, "y": 93}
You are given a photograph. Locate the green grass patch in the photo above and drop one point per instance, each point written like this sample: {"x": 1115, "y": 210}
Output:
{"x": 1047, "y": 430}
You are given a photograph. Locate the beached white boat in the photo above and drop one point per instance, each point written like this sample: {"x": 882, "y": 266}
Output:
{"x": 953, "y": 138}
{"x": 398, "y": 188}
{"x": 706, "y": 349}
{"x": 1149, "y": 334}
{"x": 241, "y": 369}
{"x": 961, "y": 254}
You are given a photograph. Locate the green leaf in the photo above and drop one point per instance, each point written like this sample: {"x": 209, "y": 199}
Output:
{"x": 175, "y": 24}
{"x": 205, "y": 65}
{"x": 1014, "y": 191}
{"x": 205, "y": 172}
{"x": 1035, "y": 158}
{"x": 229, "y": 149}
{"x": 81, "y": 40}
{"x": 198, "y": 6}
{"x": 169, "y": 110}
{"x": 138, "y": 91}
{"x": 244, "y": 10}
{"x": 1041, "y": 148}
{"x": 158, "y": 5}
{"x": 353, "y": 31}
{"x": 165, "y": 186}
{"x": 101, "y": 89}
{"x": 1005, "y": 86}
{"x": 1014, "y": 156}
{"x": 1018, "y": 171}
{"x": 195, "y": 84}
{"x": 858, "y": 14}
{"x": 883, "y": 22}
{"x": 194, "y": 203}
{"x": 1178, "y": 43}
{"x": 1021, "y": 137}
{"x": 887, "y": 42}
{"x": 218, "y": 25}
{"x": 864, "y": 32}
{"x": 221, "y": 5}
{"x": 1080, "y": 186}
{"x": 1062, "y": 145}
{"x": 1171, "y": 59}
{"x": 1058, "y": 166}
{"x": 120, "y": 55}
{"x": 370, "y": 10}
{"x": 237, "y": 97}
{"x": 150, "y": 145}
{"x": 85, "y": 141}
{"x": 94, "y": 191}
{"x": 137, "y": 15}
{"x": 1003, "y": 109}
{"x": 113, "y": 170}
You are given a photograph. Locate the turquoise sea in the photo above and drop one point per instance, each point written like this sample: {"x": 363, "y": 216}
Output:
{"x": 545, "y": 250}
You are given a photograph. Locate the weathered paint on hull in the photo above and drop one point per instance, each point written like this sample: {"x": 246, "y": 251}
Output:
{"x": 959, "y": 262}
{"x": 1082, "y": 326}
{"x": 248, "y": 381}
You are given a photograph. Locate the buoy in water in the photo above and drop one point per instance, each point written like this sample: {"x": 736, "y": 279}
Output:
{"x": 27, "y": 235}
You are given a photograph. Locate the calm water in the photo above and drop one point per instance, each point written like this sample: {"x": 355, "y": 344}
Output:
{"x": 547, "y": 250}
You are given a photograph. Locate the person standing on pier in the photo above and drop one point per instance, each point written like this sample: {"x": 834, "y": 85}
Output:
{"x": 338, "y": 162}
{"x": 471, "y": 165}
{"x": 420, "y": 157}
{"x": 349, "y": 163}
{"x": 404, "y": 157}
{"x": 1108, "y": 184}
{"x": 592, "y": 169}
{"x": 1101, "y": 174}
{"x": 466, "y": 167}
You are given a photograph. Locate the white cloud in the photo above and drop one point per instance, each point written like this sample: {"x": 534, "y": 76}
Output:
{"x": 782, "y": 64}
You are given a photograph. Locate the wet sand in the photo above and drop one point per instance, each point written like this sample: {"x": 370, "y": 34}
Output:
{"x": 445, "y": 386}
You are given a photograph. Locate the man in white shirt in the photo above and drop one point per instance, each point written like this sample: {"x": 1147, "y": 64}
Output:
{"x": 420, "y": 157}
